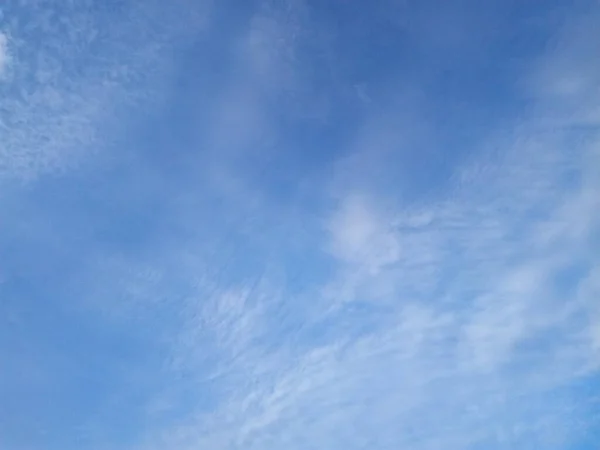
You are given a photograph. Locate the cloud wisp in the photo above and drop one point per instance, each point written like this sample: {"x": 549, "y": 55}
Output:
{"x": 302, "y": 249}
{"x": 74, "y": 72}
{"x": 462, "y": 322}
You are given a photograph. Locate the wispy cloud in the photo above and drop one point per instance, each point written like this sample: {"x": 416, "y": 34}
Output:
{"x": 358, "y": 310}
{"x": 458, "y": 322}
{"x": 74, "y": 72}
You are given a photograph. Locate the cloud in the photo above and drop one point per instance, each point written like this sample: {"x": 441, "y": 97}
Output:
{"x": 465, "y": 317}
{"x": 55, "y": 115}
{"x": 479, "y": 294}
{"x": 358, "y": 235}
{"x": 468, "y": 360}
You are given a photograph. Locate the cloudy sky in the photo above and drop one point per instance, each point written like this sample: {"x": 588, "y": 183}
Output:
{"x": 299, "y": 224}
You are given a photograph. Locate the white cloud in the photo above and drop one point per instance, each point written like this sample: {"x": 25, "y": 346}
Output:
{"x": 464, "y": 351}
{"x": 474, "y": 332}
{"x": 360, "y": 236}
{"x": 55, "y": 117}
{"x": 462, "y": 348}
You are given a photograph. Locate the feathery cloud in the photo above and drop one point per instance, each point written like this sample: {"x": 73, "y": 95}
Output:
{"x": 287, "y": 265}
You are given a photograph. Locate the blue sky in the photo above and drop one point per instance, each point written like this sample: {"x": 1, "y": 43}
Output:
{"x": 299, "y": 224}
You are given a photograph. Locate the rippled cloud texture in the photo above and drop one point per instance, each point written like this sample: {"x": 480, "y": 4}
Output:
{"x": 299, "y": 224}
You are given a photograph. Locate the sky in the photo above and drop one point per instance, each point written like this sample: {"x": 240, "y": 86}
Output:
{"x": 299, "y": 224}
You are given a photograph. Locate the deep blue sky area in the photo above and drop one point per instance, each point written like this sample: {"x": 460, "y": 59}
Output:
{"x": 299, "y": 224}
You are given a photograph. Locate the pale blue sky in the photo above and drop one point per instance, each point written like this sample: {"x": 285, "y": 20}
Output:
{"x": 299, "y": 224}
